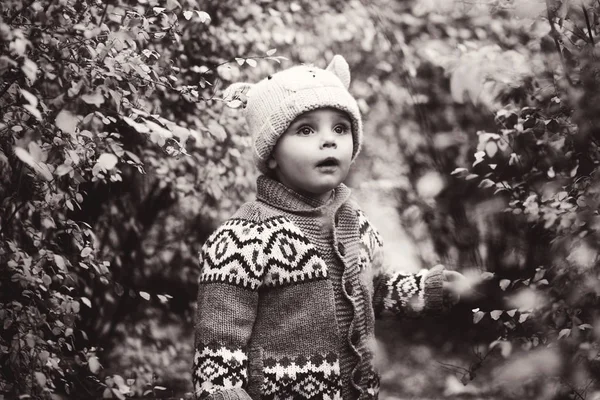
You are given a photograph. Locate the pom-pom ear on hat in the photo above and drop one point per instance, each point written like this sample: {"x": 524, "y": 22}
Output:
{"x": 341, "y": 69}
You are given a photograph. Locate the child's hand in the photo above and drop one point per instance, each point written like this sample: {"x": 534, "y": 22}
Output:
{"x": 455, "y": 284}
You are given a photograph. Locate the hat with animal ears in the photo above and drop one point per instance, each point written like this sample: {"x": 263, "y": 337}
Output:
{"x": 272, "y": 104}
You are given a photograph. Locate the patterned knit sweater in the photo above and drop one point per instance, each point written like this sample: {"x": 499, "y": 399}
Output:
{"x": 289, "y": 289}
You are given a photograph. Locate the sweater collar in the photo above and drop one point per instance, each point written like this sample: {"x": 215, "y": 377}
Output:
{"x": 280, "y": 196}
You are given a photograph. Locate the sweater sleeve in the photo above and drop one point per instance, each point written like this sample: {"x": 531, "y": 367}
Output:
{"x": 232, "y": 268}
{"x": 395, "y": 291}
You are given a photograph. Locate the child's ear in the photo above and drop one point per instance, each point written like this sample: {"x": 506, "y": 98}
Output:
{"x": 236, "y": 91}
{"x": 340, "y": 68}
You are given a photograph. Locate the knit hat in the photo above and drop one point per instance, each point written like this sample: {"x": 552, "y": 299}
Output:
{"x": 272, "y": 104}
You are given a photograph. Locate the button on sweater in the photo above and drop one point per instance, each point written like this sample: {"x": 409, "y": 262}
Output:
{"x": 289, "y": 290}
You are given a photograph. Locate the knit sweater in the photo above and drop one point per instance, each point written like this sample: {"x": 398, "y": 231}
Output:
{"x": 288, "y": 293}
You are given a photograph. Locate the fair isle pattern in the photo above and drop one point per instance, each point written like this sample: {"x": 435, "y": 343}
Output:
{"x": 404, "y": 290}
{"x": 218, "y": 367}
{"x": 372, "y": 385}
{"x": 289, "y": 255}
{"x": 272, "y": 253}
{"x": 233, "y": 254}
{"x": 316, "y": 377}
{"x": 370, "y": 240}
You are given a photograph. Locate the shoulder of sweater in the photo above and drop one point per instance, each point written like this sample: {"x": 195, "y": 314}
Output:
{"x": 255, "y": 211}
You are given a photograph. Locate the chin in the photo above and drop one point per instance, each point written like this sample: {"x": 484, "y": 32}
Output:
{"x": 324, "y": 187}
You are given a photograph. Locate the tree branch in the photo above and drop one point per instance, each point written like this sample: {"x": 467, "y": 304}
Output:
{"x": 555, "y": 35}
{"x": 587, "y": 22}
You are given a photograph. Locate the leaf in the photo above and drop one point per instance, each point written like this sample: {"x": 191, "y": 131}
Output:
{"x": 30, "y": 70}
{"x": 204, "y": 17}
{"x": 158, "y": 10}
{"x": 271, "y": 52}
{"x": 188, "y": 14}
{"x": 523, "y": 317}
{"x": 93, "y": 364}
{"x": 31, "y": 99}
{"x": 477, "y": 316}
{"x": 561, "y": 196}
{"x": 145, "y": 295}
{"x": 162, "y": 298}
{"x": 24, "y": 156}
{"x": 86, "y": 301}
{"x": 251, "y": 62}
{"x": 491, "y": 148}
{"x": 496, "y": 314}
{"x": 28, "y": 159}
{"x": 107, "y": 161}
{"x": 158, "y": 133}
{"x": 141, "y": 128}
{"x": 36, "y": 152}
{"x": 487, "y": 275}
{"x": 134, "y": 157}
{"x": 504, "y": 284}
{"x": 95, "y": 98}
{"x": 585, "y": 326}
{"x": 511, "y": 313}
{"x": 479, "y": 156}
{"x": 564, "y": 332}
{"x": 33, "y": 111}
{"x": 160, "y": 388}
{"x": 60, "y": 262}
{"x": 486, "y": 183}
{"x": 40, "y": 377}
{"x": 240, "y": 61}
{"x": 86, "y": 252}
{"x": 459, "y": 171}
{"x": 63, "y": 169}
{"x": 236, "y": 103}
{"x": 66, "y": 122}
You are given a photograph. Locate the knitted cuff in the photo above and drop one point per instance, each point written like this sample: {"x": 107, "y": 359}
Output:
{"x": 434, "y": 290}
{"x": 229, "y": 394}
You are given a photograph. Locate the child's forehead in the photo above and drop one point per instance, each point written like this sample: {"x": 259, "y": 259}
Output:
{"x": 323, "y": 112}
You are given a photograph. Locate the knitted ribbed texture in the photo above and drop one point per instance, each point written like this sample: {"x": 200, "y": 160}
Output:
{"x": 232, "y": 394}
{"x": 287, "y": 295}
{"x": 276, "y": 101}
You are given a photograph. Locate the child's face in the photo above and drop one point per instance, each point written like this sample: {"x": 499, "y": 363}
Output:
{"x": 313, "y": 155}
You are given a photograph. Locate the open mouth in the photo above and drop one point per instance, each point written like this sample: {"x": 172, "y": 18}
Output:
{"x": 328, "y": 162}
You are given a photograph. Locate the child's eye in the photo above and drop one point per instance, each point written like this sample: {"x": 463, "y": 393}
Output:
{"x": 305, "y": 130}
{"x": 341, "y": 129}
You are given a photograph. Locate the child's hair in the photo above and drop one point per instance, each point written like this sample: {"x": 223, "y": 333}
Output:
{"x": 272, "y": 104}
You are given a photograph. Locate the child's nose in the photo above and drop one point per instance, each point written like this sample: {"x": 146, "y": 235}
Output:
{"x": 329, "y": 143}
{"x": 329, "y": 140}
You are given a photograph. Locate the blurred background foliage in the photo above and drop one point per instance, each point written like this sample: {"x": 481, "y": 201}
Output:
{"x": 118, "y": 158}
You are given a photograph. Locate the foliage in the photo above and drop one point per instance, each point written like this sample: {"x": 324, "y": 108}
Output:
{"x": 118, "y": 159}
{"x": 516, "y": 192}
{"x": 90, "y": 163}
